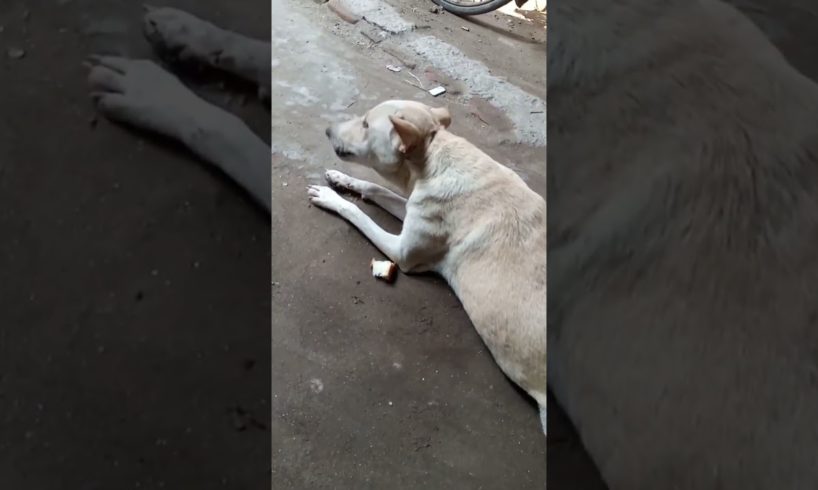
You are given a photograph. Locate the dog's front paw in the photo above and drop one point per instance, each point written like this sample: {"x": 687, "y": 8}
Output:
{"x": 183, "y": 36}
{"x": 143, "y": 94}
{"x": 341, "y": 180}
{"x": 324, "y": 197}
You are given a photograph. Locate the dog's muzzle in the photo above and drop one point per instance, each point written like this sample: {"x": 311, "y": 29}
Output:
{"x": 339, "y": 150}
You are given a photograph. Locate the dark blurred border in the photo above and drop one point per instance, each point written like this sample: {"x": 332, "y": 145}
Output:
{"x": 135, "y": 293}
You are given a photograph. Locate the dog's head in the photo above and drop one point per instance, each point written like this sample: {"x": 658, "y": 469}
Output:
{"x": 388, "y": 134}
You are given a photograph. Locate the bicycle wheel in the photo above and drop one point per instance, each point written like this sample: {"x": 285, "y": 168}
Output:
{"x": 475, "y": 7}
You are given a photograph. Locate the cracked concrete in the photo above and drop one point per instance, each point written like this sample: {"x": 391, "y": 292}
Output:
{"x": 380, "y": 14}
{"x": 526, "y": 111}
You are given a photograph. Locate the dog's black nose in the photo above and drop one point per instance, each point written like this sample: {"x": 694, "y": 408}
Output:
{"x": 328, "y": 132}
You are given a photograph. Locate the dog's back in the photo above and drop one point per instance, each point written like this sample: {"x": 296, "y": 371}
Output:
{"x": 684, "y": 195}
{"x": 495, "y": 227}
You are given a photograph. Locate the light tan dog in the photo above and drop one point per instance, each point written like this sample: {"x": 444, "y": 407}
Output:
{"x": 683, "y": 189}
{"x": 468, "y": 218}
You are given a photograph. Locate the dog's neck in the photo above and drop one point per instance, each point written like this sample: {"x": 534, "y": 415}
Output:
{"x": 403, "y": 178}
{"x": 596, "y": 39}
{"x": 416, "y": 165}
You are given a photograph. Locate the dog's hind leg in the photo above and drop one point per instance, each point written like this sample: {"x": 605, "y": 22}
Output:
{"x": 544, "y": 419}
{"x": 187, "y": 38}
{"x": 380, "y": 195}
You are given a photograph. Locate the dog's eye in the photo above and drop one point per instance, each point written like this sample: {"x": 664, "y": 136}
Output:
{"x": 366, "y": 124}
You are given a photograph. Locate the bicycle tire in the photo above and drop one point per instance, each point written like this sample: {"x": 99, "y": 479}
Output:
{"x": 483, "y": 8}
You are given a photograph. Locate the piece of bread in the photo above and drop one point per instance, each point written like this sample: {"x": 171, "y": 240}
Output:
{"x": 383, "y": 269}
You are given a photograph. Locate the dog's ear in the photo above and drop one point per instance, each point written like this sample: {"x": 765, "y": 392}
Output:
{"x": 409, "y": 133}
{"x": 442, "y": 116}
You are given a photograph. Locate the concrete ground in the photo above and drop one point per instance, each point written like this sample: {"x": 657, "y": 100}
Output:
{"x": 375, "y": 385}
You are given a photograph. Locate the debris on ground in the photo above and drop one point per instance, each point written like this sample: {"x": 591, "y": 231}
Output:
{"x": 403, "y": 61}
{"x": 437, "y": 91}
{"x": 477, "y": 115}
{"x": 383, "y": 269}
{"x": 538, "y": 17}
{"x": 420, "y": 84}
{"x": 394, "y": 68}
{"x": 373, "y": 34}
{"x": 316, "y": 385}
{"x": 465, "y": 28}
{"x": 343, "y": 12}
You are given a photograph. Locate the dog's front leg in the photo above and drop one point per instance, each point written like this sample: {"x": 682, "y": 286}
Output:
{"x": 380, "y": 195}
{"x": 140, "y": 93}
{"x": 388, "y": 243}
{"x": 188, "y": 38}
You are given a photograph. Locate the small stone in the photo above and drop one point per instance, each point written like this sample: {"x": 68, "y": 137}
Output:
{"x": 316, "y": 385}
{"x": 16, "y": 53}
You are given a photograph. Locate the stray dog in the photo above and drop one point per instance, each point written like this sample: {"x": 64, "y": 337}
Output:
{"x": 683, "y": 189}
{"x": 142, "y": 94}
{"x": 467, "y": 218}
